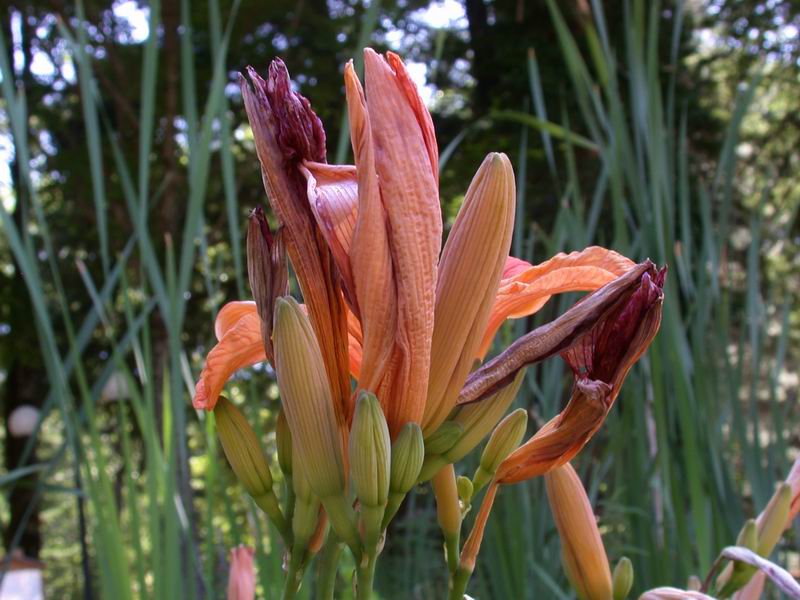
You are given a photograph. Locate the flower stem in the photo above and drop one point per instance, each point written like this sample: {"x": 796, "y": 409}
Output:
{"x": 365, "y": 576}
{"x": 458, "y": 583}
{"x": 294, "y": 576}
{"x": 328, "y": 568}
{"x": 269, "y": 504}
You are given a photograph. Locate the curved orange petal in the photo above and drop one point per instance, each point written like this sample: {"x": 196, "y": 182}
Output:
{"x": 333, "y": 196}
{"x": 409, "y": 191}
{"x": 240, "y": 346}
{"x": 525, "y": 289}
{"x": 370, "y": 254}
{"x": 230, "y": 314}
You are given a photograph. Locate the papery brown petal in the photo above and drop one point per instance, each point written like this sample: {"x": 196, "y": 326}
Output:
{"x": 562, "y": 437}
{"x": 287, "y": 132}
{"x": 554, "y": 337}
{"x": 266, "y": 270}
{"x": 299, "y": 131}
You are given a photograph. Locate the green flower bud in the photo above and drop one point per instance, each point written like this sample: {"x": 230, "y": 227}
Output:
{"x": 408, "y": 452}
{"x": 772, "y": 520}
{"x": 622, "y": 579}
{"x": 307, "y": 400}
{"x": 465, "y": 489}
{"x": 246, "y": 457}
{"x": 283, "y": 439}
{"x": 443, "y": 438}
{"x": 748, "y": 536}
{"x": 242, "y": 449}
{"x": 370, "y": 451}
{"x": 505, "y": 439}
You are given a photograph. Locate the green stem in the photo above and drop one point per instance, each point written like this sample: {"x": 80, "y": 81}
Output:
{"x": 328, "y": 568}
{"x": 269, "y": 504}
{"x": 451, "y": 544}
{"x": 294, "y": 576}
{"x": 458, "y": 583}
{"x": 365, "y": 576}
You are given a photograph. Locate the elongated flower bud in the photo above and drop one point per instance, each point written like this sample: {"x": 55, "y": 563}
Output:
{"x": 772, "y": 520}
{"x": 267, "y": 271}
{"x": 283, "y": 439}
{"x": 242, "y": 575}
{"x": 242, "y": 449}
{"x": 443, "y": 438}
{"x": 246, "y": 457}
{"x": 737, "y": 574}
{"x": 622, "y": 578}
{"x": 582, "y": 550}
{"x": 471, "y": 267}
{"x": 448, "y": 512}
{"x": 408, "y": 451}
{"x": 370, "y": 451}
{"x": 307, "y": 400}
{"x": 505, "y": 439}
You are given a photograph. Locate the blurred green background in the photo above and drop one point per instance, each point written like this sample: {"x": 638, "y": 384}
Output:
{"x": 667, "y": 130}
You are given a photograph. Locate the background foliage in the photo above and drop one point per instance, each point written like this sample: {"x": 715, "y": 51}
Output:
{"x": 663, "y": 130}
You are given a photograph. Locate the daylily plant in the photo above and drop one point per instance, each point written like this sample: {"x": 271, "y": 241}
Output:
{"x": 377, "y": 374}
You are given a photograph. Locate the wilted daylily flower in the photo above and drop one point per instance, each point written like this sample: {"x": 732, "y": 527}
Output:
{"x": 414, "y": 323}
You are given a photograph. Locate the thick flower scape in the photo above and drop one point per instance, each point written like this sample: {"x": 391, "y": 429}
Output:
{"x": 396, "y": 322}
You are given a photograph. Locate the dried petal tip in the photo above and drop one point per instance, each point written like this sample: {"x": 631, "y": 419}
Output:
{"x": 298, "y": 129}
{"x": 267, "y": 271}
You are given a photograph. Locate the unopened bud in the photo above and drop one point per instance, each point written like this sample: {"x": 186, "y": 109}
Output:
{"x": 246, "y": 457}
{"x": 772, "y": 520}
{"x": 306, "y": 399}
{"x": 443, "y": 438}
{"x": 479, "y": 418}
{"x": 582, "y": 552}
{"x": 242, "y": 449}
{"x": 465, "y": 489}
{"x": 622, "y": 578}
{"x": 748, "y": 536}
{"x": 370, "y": 450}
{"x": 283, "y": 440}
{"x": 267, "y": 271}
{"x": 408, "y": 452}
{"x": 505, "y": 439}
{"x": 448, "y": 512}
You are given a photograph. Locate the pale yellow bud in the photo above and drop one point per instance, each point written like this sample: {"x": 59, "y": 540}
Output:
{"x": 242, "y": 449}
{"x": 772, "y": 520}
{"x": 582, "y": 550}
{"x": 443, "y": 438}
{"x": 465, "y": 489}
{"x": 505, "y": 439}
{"x": 370, "y": 450}
{"x": 307, "y": 400}
{"x": 622, "y": 578}
{"x": 408, "y": 452}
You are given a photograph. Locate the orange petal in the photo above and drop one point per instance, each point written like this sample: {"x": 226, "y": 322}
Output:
{"x": 239, "y": 346}
{"x": 230, "y": 314}
{"x": 469, "y": 273}
{"x": 333, "y": 197}
{"x": 562, "y": 437}
{"x": 411, "y": 201}
{"x": 472, "y": 546}
{"x": 370, "y": 255}
{"x": 523, "y": 291}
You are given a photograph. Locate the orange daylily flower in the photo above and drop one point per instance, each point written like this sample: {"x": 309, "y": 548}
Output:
{"x": 407, "y": 323}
